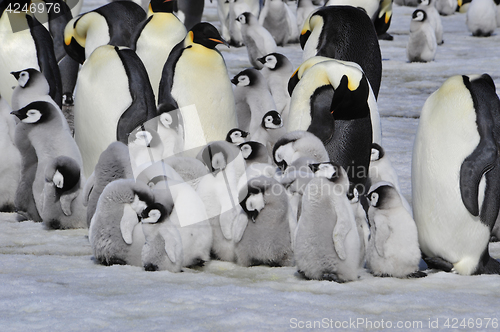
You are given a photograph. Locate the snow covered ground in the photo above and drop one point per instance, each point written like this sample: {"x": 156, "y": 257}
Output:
{"x": 49, "y": 281}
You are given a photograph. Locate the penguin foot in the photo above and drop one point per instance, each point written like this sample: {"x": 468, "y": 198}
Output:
{"x": 197, "y": 263}
{"x": 493, "y": 238}
{"x": 52, "y": 224}
{"x": 9, "y": 208}
{"x": 438, "y": 263}
{"x": 332, "y": 277}
{"x": 151, "y": 267}
{"x": 385, "y": 36}
{"x": 417, "y": 274}
{"x": 491, "y": 266}
{"x": 114, "y": 261}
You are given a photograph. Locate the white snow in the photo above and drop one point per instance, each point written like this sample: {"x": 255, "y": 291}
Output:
{"x": 48, "y": 280}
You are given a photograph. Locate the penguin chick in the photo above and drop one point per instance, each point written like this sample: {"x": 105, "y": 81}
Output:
{"x": 253, "y": 99}
{"x": 446, "y": 7}
{"x": 256, "y": 38}
{"x": 236, "y": 8}
{"x": 115, "y": 235}
{"x": 422, "y": 43}
{"x": 280, "y": 21}
{"x": 434, "y": 18}
{"x": 393, "y": 248}
{"x": 32, "y": 86}
{"x": 381, "y": 169}
{"x": 262, "y": 232}
{"x": 277, "y": 71}
{"x": 236, "y": 136}
{"x": 145, "y": 148}
{"x": 327, "y": 243}
{"x": 162, "y": 250}
{"x": 271, "y": 129}
{"x": 254, "y": 152}
{"x": 481, "y": 18}
{"x": 170, "y": 128}
{"x": 113, "y": 164}
{"x": 298, "y": 144}
{"x": 361, "y": 223}
{"x": 49, "y": 135}
{"x": 62, "y": 206}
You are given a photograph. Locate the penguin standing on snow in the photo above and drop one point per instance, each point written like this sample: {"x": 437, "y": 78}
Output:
{"x": 455, "y": 175}
{"x": 196, "y": 74}
{"x": 128, "y": 101}
{"x": 344, "y": 33}
{"x": 434, "y": 18}
{"x": 422, "y": 43}
{"x": 327, "y": 242}
{"x": 393, "y": 249}
{"x": 155, "y": 37}
{"x": 277, "y": 18}
{"x": 482, "y": 18}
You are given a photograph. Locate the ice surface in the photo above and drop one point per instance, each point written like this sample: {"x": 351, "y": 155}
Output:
{"x": 50, "y": 282}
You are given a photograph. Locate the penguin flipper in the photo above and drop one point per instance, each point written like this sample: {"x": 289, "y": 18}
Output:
{"x": 87, "y": 188}
{"x": 173, "y": 243}
{"x": 66, "y": 199}
{"x": 239, "y": 226}
{"x": 342, "y": 227}
{"x": 438, "y": 263}
{"x": 381, "y": 234}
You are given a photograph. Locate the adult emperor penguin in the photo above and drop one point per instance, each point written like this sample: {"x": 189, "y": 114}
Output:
{"x": 209, "y": 90}
{"x": 102, "y": 118}
{"x": 455, "y": 175}
{"x": 277, "y": 71}
{"x": 115, "y": 234}
{"x": 113, "y": 24}
{"x": 434, "y": 18}
{"x": 256, "y": 38}
{"x": 327, "y": 243}
{"x": 393, "y": 246}
{"x": 155, "y": 37}
{"x": 422, "y": 44}
{"x": 26, "y": 44}
{"x": 10, "y": 167}
{"x": 262, "y": 232}
{"x": 113, "y": 164}
{"x": 344, "y": 33}
{"x": 333, "y": 100}
{"x": 253, "y": 99}
{"x": 40, "y": 118}
{"x": 277, "y": 18}
{"x": 481, "y": 18}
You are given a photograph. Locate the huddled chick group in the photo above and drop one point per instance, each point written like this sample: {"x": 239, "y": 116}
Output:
{"x": 170, "y": 166}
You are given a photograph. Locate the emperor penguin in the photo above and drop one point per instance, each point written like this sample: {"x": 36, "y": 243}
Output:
{"x": 115, "y": 234}
{"x": 277, "y": 71}
{"x": 253, "y": 99}
{"x": 481, "y": 18}
{"x": 382, "y": 19}
{"x": 102, "y": 118}
{"x": 26, "y": 43}
{"x": 112, "y": 23}
{"x": 236, "y": 136}
{"x": 327, "y": 243}
{"x": 344, "y": 33}
{"x": 205, "y": 100}
{"x": 262, "y": 232}
{"x": 446, "y": 7}
{"x": 10, "y": 168}
{"x": 40, "y": 118}
{"x": 334, "y": 101}
{"x": 455, "y": 172}
{"x": 434, "y": 18}
{"x": 277, "y": 18}
{"x": 113, "y": 164}
{"x": 256, "y": 38}
{"x": 381, "y": 169}
{"x": 393, "y": 249}
{"x": 298, "y": 144}
{"x": 422, "y": 43}
{"x": 219, "y": 192}
{"x": 162, "y": 250}
{"x": 271, "y": 129}
{"x": 304, "y": 9}
{"x": 156, "y": 36}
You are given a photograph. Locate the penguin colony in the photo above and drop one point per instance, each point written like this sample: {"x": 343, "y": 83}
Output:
{"x": 168, "y": 169}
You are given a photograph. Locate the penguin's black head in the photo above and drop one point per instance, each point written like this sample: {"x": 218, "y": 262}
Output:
{"x": 272, "y": 61}
{"x": 73, "y": 47}
{"x": 383, "y": 196}
{"x": 425, "y": 2}
{"x": 252, "y": 199}
{"x": 244, "y": 18}
{"x": 272, "y": 120}
{"x": 253, "y": 151}
{"x": 36, "y": 112}
{"x": 26, "y": 76}
{"x": 207, "y": 35}
{"x": 236, "y": 135}
{"x": 328, "y": 170}
{"x": 377, "y": 152}
{"x": 163, "y": 6}
{"x": 156, "y": 213}
{"x": 145, "y": 136}
{"x": 419, "y": 15}
{"x": 65, "y": 174}
{"x": 280, "y": 152}
{"x": 170, "y": 120}
{"x": 247, "y": 77}
{"x": 350, "y": 104}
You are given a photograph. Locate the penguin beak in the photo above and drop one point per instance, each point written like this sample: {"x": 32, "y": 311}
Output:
{"x": 75, "y": 50}
{"x": 220, "y": 41}
{"x": 244, "y": 134}
{"x": 15, "y": 74}
{"x": 304, "y": 37}
{"x": 18, "y": 114}
{"x": 262, "y": 60}
{"x": 234, "y": 80}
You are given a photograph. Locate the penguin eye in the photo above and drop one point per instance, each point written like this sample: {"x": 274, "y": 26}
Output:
{"x": 374, "y": 155}
{"x": 374, "y": 199}
{"x": 269, "y": 119}
{"x": 237, "y": 134}
{"x": 32, "y": 116}
{"x": 244, "y": 80}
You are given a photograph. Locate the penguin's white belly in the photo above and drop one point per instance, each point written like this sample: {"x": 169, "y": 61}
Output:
{"x": 445, "y": 227}
{"x": 17, "y": 52}
{"x": 102, "y": 95}
{"x": 201, "y": 80}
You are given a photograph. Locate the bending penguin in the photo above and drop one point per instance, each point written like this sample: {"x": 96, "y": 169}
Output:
{"x": 102, "y": 118}
{"x": 455, "y": 175}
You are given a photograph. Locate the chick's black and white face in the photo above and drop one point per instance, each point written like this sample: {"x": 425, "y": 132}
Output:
{"x": 419, "y": 16}
{"x": 271, "y": 62}
{"x": 143, "y": 138}
{"x": 272, "y": 120}
{"x": 24, "y": 77}
{"x": 32, "y": 116}
{"x": 138, "y": 205}
{"x": 326, "y": 170}
{"x": 246, "y": 150}
{"x": 243, "y": 80}
{"x": 374, "y": 198}
{"x": 242, "y": 19}
{"x": 375, "y": 155}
